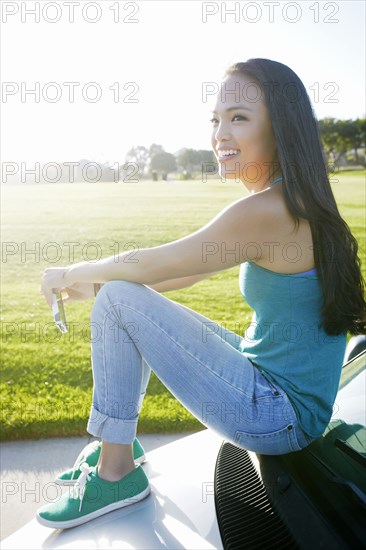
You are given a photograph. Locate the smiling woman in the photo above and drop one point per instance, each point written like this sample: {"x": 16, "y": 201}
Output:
{"x": 280, "y": 380}
{"x": 242, "y": 136}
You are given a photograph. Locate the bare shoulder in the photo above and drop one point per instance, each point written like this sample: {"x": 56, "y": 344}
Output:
{"x": 278, "y": 243}
{"x": 265, "y": 210}
{"x": 285, "y": 247}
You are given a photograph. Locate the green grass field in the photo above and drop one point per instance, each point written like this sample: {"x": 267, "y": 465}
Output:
{"x": 46, "y": 379}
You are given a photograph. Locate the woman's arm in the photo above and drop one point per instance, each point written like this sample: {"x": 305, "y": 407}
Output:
{"x": 237, "y": 234}
{"x": 182, "y": 282}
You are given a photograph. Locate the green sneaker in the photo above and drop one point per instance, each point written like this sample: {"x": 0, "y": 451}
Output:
{"x": 90, "y": 455}
{"x": 92, "y": 497}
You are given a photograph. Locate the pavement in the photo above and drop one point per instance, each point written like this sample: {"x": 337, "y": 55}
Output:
{"x": 28, "y": 470}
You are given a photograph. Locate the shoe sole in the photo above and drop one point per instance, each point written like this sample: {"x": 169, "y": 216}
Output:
{"x": 70, "y": 482}
{"x": 93, "y": 515}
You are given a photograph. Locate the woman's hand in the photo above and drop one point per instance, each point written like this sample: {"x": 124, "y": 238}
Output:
{"x": 60, "y": 279}
{"x": 53, "y": 278}
{"x": 80, "y": 291}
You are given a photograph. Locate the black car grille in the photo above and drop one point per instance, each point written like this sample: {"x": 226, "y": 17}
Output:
{"x": 245, "y": 515}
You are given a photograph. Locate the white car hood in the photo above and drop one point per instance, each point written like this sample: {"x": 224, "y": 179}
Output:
{"x": 179, "y": 513}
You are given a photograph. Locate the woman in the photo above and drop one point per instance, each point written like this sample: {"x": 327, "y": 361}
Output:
{"x": 271, "y": 391}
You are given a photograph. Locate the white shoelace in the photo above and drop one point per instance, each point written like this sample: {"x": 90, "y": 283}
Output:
{"x": 83, "y": 454}
{"x": 79, "y": 487}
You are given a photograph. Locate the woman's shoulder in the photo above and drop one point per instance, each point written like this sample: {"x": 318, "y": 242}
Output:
{"x": 285, "y": 246}
{"x": 270, "y": 207}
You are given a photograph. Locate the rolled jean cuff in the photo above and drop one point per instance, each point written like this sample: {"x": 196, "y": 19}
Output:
{"x": 112, "y": 430}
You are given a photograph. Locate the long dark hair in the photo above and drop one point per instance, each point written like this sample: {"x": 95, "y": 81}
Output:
{"x": 308, "y": 193}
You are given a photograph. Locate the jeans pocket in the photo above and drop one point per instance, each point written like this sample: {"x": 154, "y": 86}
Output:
{"x": 280, "y": 442}
{"x": 304, "y": 439}
{"x": 264, "y": 387}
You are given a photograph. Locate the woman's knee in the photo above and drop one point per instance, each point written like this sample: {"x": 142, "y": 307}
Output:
{"x": 118, "y": 289}
{"x": 113, "y": 292}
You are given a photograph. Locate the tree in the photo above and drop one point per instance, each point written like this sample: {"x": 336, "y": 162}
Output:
{"x": 346, "y": 130}
{"x": 339, "y": 136}
{"x": 358, "y": 137}
{"x": 163, "y": 162}
{"x": 329, "y": 134}
{"x": 154, "y": 149}
{"x": 187, "y": 160}
{"x": 191, "y": 160}
{"x": 207, "y": 156}
{"x": 139, "y": 156}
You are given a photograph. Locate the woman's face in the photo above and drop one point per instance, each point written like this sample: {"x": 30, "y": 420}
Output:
{"x": 242, "y": 136}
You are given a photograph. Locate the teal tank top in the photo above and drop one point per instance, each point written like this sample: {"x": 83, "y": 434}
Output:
{"x": 286, "y": 341}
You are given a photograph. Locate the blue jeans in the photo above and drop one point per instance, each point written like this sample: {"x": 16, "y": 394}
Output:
{"x": 135, "y": 329}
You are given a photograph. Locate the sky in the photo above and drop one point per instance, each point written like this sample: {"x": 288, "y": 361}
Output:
{"x": 139, "y": 70}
